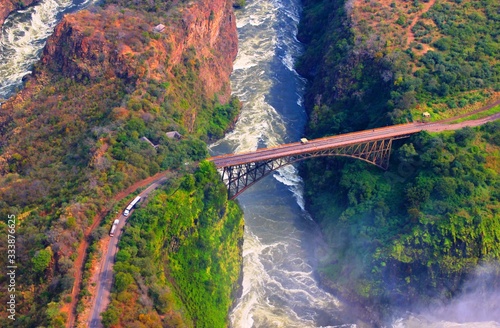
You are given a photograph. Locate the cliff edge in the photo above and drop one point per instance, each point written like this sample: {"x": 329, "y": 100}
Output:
{"x": 92, "y": 45}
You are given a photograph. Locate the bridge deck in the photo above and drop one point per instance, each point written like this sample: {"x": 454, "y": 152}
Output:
{"x": 298, "y": 148}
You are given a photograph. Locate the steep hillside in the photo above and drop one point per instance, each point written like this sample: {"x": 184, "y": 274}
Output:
{"x": 184, "y": 250}
{"x": 74, "y": 136}
{"x": 419, "y": 230}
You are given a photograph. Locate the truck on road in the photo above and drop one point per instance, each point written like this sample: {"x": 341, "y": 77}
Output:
{"x": 113, "y": 228}
{"x": 303, "y": 141}
{"x": 131, "y": 205}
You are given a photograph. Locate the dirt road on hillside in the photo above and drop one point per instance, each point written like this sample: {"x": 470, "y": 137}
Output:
{"x": 82, "y": 248}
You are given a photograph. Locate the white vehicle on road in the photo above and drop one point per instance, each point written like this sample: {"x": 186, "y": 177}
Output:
{"x": 113, "y": 228}
{"x": 131, "y": 205}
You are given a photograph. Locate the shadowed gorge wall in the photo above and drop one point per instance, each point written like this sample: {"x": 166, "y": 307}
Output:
{"x": 415, "y": 233}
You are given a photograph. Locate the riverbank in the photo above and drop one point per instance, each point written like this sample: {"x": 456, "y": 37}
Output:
{"x": 9, "y": 6}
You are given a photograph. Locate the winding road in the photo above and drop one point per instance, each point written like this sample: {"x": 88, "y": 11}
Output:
{"x": 105, "y": 281}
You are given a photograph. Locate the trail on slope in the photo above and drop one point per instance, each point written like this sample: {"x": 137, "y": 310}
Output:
{"x": 411, "y": 35}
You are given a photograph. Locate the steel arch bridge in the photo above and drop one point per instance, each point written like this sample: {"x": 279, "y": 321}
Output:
{"x": 240, "y": 171}
{"x": 239, "y": 176}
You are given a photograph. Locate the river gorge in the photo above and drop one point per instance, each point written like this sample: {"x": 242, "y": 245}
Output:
{"x": 282, "y": 242}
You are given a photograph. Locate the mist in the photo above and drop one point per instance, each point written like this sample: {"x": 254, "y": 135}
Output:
{"x": 476, "y": 305}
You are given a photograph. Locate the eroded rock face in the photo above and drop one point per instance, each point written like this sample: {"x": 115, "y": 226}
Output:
{"x": 99, "y": 71}
{"x": 8, "y": 6}
{"x": 117, "y": 48}
{"x": 122, "y": 43}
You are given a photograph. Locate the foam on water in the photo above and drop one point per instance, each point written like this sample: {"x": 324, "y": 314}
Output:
{"x": 279, "y": 288}
{"x": 300, "y": 100}
{"x": 23, "y": 37}
{"x": 288, "y": 175}
{"x": 260, "y": 308}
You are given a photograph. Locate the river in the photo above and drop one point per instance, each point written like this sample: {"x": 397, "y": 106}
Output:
{"x": 23, "y": 36}
{"x": 280, "y": 242}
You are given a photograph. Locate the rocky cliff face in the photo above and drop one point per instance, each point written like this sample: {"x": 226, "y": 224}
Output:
{"x": 8, "y": 6}
{"x": 210, "y": 25}
{"x": 124, "y": 44}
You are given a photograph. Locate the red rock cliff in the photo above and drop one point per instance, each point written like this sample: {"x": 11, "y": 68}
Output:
{"x": 122, "y": 43}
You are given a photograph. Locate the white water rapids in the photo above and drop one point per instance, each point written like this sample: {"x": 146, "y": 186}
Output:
{"x": 279, "y": 284}
{"x": 281, "y": 244}
{"x": 23, "y": 36}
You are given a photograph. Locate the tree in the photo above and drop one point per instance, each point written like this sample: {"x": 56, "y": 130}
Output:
{"x": 42, "y": 259}
{"x": 122, "y": 281}
{"x": 464, "y": 135}
{"x": 188, "y": 183}
{"x": 110, "y": 317}
{"x": 407, "y": 153}
{"x": 57, "y": 319}
{"x": 239, "y": 3}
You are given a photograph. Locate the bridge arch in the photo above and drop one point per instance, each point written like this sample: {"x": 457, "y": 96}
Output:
{"x": 240, "y": 177}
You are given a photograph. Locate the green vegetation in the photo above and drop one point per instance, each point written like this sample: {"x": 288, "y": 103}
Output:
{"x": 491, "y": 111}
{"x": 180, "y": 256}
{"x": 153, "y": 6}
{"x": 42, "y": 259}
{"x": 73, "y": 139}
{"x": 418, "y": 230}
{"x": 239, "y": 3}
{"x": 462, "y": 67}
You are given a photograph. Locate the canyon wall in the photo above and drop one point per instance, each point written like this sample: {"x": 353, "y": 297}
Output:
{"x": 109, "y": 42}
{"x": 72, "y": 138}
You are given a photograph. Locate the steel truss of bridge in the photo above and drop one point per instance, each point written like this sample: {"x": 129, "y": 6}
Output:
{"x": 238, "y": 178}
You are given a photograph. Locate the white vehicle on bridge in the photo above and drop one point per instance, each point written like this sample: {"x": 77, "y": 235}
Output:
{"x": 131, "y": 205}
{"x": 113, "y": 228}
{"x": 303, "y": 141}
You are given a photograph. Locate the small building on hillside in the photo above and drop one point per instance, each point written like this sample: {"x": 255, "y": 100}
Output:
{"x": 159, "y": 28}
{"x": 149, "y": 142}
{"x": 174, "y": 135}
{"x": 426, "y": 114}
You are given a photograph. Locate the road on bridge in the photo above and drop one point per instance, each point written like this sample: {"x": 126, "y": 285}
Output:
{"x": 297, "y": 148}
{"x": 105, "y": 280}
